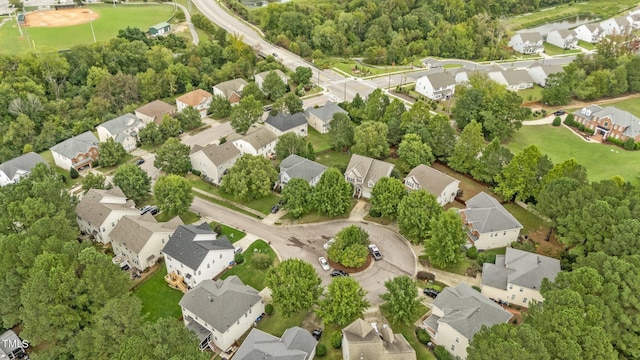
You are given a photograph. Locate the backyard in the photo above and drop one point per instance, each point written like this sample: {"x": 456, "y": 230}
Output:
{"x": 158, "y": 299}
{"x": 247, "y": 272}
{"x": 232, "y": 234}
{"x": 408, "y": 331}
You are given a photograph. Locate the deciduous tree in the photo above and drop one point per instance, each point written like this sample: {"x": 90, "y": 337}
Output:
{"x": 295, "y": 286}
{"x": 505, "y": 341}
{"x": 444, "y": 244}
{"x": 370, "y": 139}
{"x": 302, "y": 75}
{"x": 289, "y": 144}
{"x": 341, "y": 132}
{"x": 350, "y": 247}
{"x": 93, "y": 180}
{"x": 173, "y": 157}
{"x": 189, "y": 118}
{"x": 220, "y": 107}
{"x": 170, "y": 127}
{"x": 332, "y": 194}
{"x": 252, "y": 177}
{"x": 245, "y": 114}
{"x": 173, "y": 194}
{"x": 468, "y": 149}
{"x": 343, "y": 302}
{"x": 415, "y": 212}
{"x": 522, "y": 177}
{"x": 401, "y": 298}
{"x": 493, "y": 159}
{"x": 111, "y": 152}
{"x": 151, "y": 135}
{"x": 133, "y": 181}
{"x": 273, "y": 86}
{"x": 297, "y": 197}
{"x": 375, "y": 106}
{"x": 386, "y": 194}
{"x": 415, "y": 152}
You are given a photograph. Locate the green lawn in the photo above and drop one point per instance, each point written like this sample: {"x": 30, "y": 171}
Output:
{"x": 334, "y": 159}
{"x": 314, "y": 217}
{"x": 158, "y": 299}
{"x": 276, "y": 323}
{"x": 460, "y": 268}
{"x": 105, "y": 27}
{"x": 128, "y": 159}
{"x": 347, "y": 66}
{"x": 49, "y": 157}
{"x": 188, "y": 218}
{"x": 552, "y": 50}
{"x": 409, "y": 331}
{"x": 630, "y": 105}
{"x": 559, "y": 143}
{"x": 319, "y": 141}
{"x": 586, "y": 45}
{"x": 530, "y": 221}
{"x": 246, "y": 272}
{"x": 232, "y": 234}
{"x": 533, "y": 94}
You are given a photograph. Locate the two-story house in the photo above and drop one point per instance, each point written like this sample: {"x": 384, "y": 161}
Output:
{"x": 562, "y": 38}
{"x": 619, "y": 25}
{"x": 295, "y": 344}
{"x": 364, "y": 172}
{"x": 155, "y": 111}
{"x": 320, "y": 118}
{"x": 258, "y": 142}
{"x": 197, "y": 99}
{"x": 374, "y": 341}
{"x": 221, "y": 311}
{"x": 609, "y": 122}
{"x": 282, "y": 124}
{"x": 100, "y": 210}
{"x": 457, "y": 314}
{"x": 197, "y": 253}
{"x": 259, "y": 77}
{"x": 489, "y": 224}
{"x": 213, "y": 161}
{"x": 513, "y": 79}
{"x": 438, "y": 86}
{"x": 12, "y": 170}
{"x": 295, "y": 166}
{"x": 517, "y": 275}
{"x": 591, "y": 33}
{"x": 139, "y": 239}
{"x": 527, "y": 43}
{"x": 123, "y": 129}
{"x": 540, "y": 72}
{"x": 230, "y": 90}
{"x": 78, "y": 152}
{"x": 439, "y": 184}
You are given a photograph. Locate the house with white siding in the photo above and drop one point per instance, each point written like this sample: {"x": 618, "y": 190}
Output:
{"x": 282, "y": 124}
{"x": 489, "y": 224}
{"x": 258, "y": 142}
{"x": 562, "y": 38}
{"x": 295, "y": 344}
{"x": 123, "y": 129}
{"x": 438, "y": 86}
{"x": 527, "y": 43}
{"x": 78, "y": 152}
{"x": 364, "y": 172}
{"x": 100, "y": 210}
{"x": 439, "y": 184}
{"x": 591, "y": 33}
{"x": 320, "y": 118}
{"x": 539, "y": 72}
{"x": 197, "y": 99}
{"x": 155, "y": 111}
{"x": 12, "y": 170}
{"x": 214, "y": 160}
{"x": 297, "y": 167}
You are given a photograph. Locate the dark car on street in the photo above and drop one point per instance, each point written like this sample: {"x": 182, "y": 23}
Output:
{"x": 337, "y": 272}
{"x": 275, "y": 208}
{"x": 317, "y": 334}
{"x": 139, "y": 162}
{"x": 559, "y": 112}
{"x": 433, "y": 293}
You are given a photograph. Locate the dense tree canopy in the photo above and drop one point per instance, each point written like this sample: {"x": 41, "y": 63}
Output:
{"x": 343, "y": 302}
{"x": 350, "y": 247}
{"x": 251, "y": 177}
{"x": 401, "y": 298}
{"x": 332, "y": 194}
{"x": 341, "y": 132}
{"x": 444, "y": 244}
{"x": 173, "y": 194}
{"x": 295, "y": 285}
{"x": 111, "y": 153}
{"x": 522, "y": 177}
{"x": 297, "y": 197}
{"x": 415, "y": 212}
{"x": 173, "y": 157}
{"x": 133, "y": 181}
{"x": 386, "y": 194}
{"x": 370, "y": 139}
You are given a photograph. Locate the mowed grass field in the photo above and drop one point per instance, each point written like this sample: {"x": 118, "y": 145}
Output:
{"x": 601, "y": 160}
{"x": 105, "y": 27}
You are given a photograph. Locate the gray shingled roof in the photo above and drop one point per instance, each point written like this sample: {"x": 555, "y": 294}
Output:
{"x": 369, "y": 169}
{"x": 23, "y": 164}
{"x": 466, "y": 310}
{"x": 96, "y": 205}
{"x": 564, "y": 33}
{"x": 79, "y": 144}
{"x": 284, "y": 122}
{"x": 280, "y": 74}
{"x": 517, "y": 76}
{"x": 519, "y": 268}
{"x": 441, "y": 79}
{"x": 260, "y": 138}
{"x": 221, "y": 303}
{"x": 488, "y": 215}
{"x": 630, "y": 122}
{"x": 133, "y": 231}
{"x": 231, "y": 86}
{"x": 551, "y": 69}
{"x": 588, "y": 112}
{"x": 8, "y": 340}
{"x": 190, "y": 244}
{"x": 296, "y": 344}
{"x": 298, "y": 167}
{"x": 326, "y": 112}
{"x": 121, "y": 123}
{"x": 431, "y": 179}
{"x": 218, "y": 154}
{"x": 360, "y": 331}
{"x": 156, "y": 109}
{"x": 532, "y": 37}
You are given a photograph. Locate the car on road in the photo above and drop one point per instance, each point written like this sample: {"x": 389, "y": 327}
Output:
{"x": 375, "y": 252}
{"x": 275, "y": 208}
{"x": 152, "y": 209}
{"x": 559, "y": 112}
{"x": 317, "y": 334}
{"x": 328, "y": 244}
{"x": 431, "y": 292}
{"x": 275, "y": 55}
{"x": 324, "y": 263}
{"x": 337, "y": 272}
{"x": 139, "y": 162}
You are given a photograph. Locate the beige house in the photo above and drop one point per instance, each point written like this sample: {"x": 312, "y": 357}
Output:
{"x": 489, "y": 224}
{"x": 458, "y": 313}
{"x": 138, "y": 239}
{"x": 282, "y": 124}
{"x": 230, "y": 90}
{"x": 100, "y": 210}
{"x": 364, "y": 172}
{"x": 517, "y": 275}
{"x": 320, "y": 118}
{"x": 259, "y": 77}
{"x": 197, "y": 99}
{"x": 364, "y": 341}
{"x": 213, "y": 161}
{"x": 295, "y": 344}
{"x": 259, "y": 142}
{"x": 155, "y": 111}
{"x": 439, "y": 184}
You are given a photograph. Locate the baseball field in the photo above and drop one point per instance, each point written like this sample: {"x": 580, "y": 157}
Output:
{"x": 61, "y": 29}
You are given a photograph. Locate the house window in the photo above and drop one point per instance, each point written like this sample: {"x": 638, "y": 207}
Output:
{"x": 505, "y": 233}
{"x": 457, "y": 340}
{"x": 606, "y": 124}
{"x": 521, "y": 289}
{"x": 513, "y": 297}
{"x": 510, "y": 287}
{"x": 453, "y": 347}
{"x": 524, "y": 300}
{"x": 208, "y": 266}
{"x": 199, "y": 272}
{"x": 220, "y": 256}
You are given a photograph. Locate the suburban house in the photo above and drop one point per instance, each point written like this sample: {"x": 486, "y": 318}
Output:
{"x": 562, "y": 38}
{"x": 213, "y": 161}
{"x": 261, "y": 141}
{"x": 12, "y": 347}
{"x": 221, "y": 311}
{"x": 461, "y": 75}
{"x": 619, "y": 25}
{"x": 634, "y": 20}
{"x": 100, "y": 210}
{"x": 259, "y": 77}
{"x": 439, "y": 184}
{"x": 591, "y": 33}
{"x": 527, "y": 43}
{"x": 362, "y": 340}
{"x": 513, "y": 79}
{"x": 517, "y": 275}
{"x": 609, "y": 122}
{"x": 320, "y": 118}
{"x": 11, "y": 171}
{"x": 197, "y": 253}
{"x": 284, "y": 123}
{"x": 78, "y": 152}
{"x": 230, "y": 90}
{"x": 123, "y": 129}
{"x": 138, "y": 239}
{"x": 295, "y": 166}
{"x": 159, "y": 29}
{"x": 539, "y": 72}
{"x": 489, "y": 224}
{"x": 198, "y": 99}
{"x": 295, "y": 344}
{"x": 155, "y": 111}
{"x": 458, "y": 313}
{"x": 364, "y": 172}
{"x": 438, "y": 86}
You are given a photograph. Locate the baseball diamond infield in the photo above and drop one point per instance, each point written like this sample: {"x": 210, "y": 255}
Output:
{"x": 62, "y": 17}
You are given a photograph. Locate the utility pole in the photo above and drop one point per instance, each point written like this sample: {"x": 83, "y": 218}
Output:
{"x": 92, "y": 32}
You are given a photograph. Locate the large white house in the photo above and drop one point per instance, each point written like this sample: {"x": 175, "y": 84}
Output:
{"x": 282, "y": 124}
{"x": 259, "y": 142}
{"x": 11, "y": 171}
{"x": 295, "y": 166}
{"x": 138, "y": 239}
{"x": 539, "y": 72}
{"x": 155, "y": 111}
{"x": 123, "y": 129}
{"x": 221, "y": 311}
{"x": 513, "y": 79}
{"x": 78, "y": 152}
{"x": 438, "y": 86}
{"x": 374, "y": 341}
{"x": 198, "y": 99}
{"x": 100, "y": 210}
{"x": 527, "y": 43}
{"x": 458, "y": 313}
{"x": 197, "y": 253}
{"x": 562, "y": 38}
{"x": 489, "y": 224}
{"x": 364, "y": 172}
{"x": 439, "y": 184}
{"x": 320, "y": 118}
{"x": 591, "y": 33}
{"x": 619, "y": 25}
{"x": 517, "y": 275}
{"x": 296, "y": 344}
{"x": 259, "y": 77}
{"x": 213, "y": 161}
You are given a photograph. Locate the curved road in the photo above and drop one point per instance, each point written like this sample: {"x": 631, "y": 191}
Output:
{"x": 306, "y": 241}
{"x": 192, "y": 29}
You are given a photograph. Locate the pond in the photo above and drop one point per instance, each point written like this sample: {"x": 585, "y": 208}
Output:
{"x": 568, "y": 23}
{"x": 254, "y": 4}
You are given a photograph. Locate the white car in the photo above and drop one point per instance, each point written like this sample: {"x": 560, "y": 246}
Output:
{"x": 375, "y": 252}
{"x": 324, "y": 263}
{"x": 328, "y": 244}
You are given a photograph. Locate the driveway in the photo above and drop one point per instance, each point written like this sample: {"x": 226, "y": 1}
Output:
{"x": 209, "y": 135}
{"x": 305, "y": 242}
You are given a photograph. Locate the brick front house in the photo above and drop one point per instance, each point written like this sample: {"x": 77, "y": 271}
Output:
{"x": 609, "y": 122}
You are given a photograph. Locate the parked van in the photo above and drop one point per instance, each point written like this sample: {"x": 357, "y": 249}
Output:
{"x": 237, "y": 250}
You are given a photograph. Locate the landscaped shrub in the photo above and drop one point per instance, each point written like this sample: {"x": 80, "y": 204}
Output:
{"x": 472, "y": 253}
{"x": 581, "y": 127}
{"x": 524, "y": 246}
{"x": 589, "y": 131}
{"x": 268, "y": 309}
{"x": 422, "y": 335}
{"x": 63, "y": 179}
{"x": 476, "y": 288}
{"x": 556, "y": 121}
{"x": 374, "y": 213}
{"x": 569, "y": 119}
{"x": 239, "y": 258}
{"x": 218, "y": 229}
{"x": 261, "y": 261}
{"x": 73, "y": 173}
{"x": 336, "y": 340}
{"x": 441, "y": 353}
{"x": 425, "y": 275}
{"x": 321, "y": 350}
{"x": 486, "y": 257}
{"x": 196, "y": 172}
{"x": 629, "y": 144}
